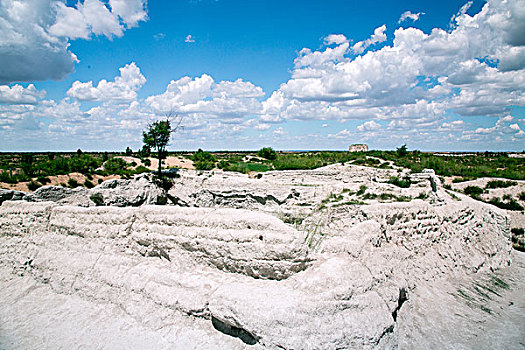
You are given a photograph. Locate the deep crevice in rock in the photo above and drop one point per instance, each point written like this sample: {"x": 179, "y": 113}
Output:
{"x": 403, "y": 296}
{"x": 233, "y": 331}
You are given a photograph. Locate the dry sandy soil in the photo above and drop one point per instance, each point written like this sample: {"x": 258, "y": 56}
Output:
{"x": 59, "y": 180}
{"x": 169, "y": 162}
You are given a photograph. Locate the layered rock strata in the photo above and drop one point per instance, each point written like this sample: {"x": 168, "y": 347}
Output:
{"x": 285, "y": 261}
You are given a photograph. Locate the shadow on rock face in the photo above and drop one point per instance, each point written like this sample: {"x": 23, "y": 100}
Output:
{"x": 240, "y": 333}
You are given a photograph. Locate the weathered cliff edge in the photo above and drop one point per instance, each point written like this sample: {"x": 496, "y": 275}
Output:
{"x": 259, "y": 263}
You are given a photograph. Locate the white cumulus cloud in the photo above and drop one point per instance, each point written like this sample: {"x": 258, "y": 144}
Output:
{"x": 409, "y": 15}
{"x": 17, "y": 94}
{"x": 34, "y": 44}
{"x": 369, "y": 126}
{"x": 379, "y": 36}
{"x": 123, "y": 89}
{"x": 418, "y": 78}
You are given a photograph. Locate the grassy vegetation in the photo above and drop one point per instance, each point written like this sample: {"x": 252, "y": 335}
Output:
{"x": 468, "y": 167}
{"x": 314, "y": 236}
{"x": 464, "y": 167}
{"x": 244, "y": 167}
{"x": 203, "y": 160}
{"x": 33, "y": 185}
{"x": 403, "y": 183}
{"x": 313, "y": 160}
{"x": 500, "y": 184}
{"x": 506, "y": 202}
{"x": 25, "y": 167}
{"x": 473, "y": 191}
{"x": 36, "y": 168}
{"x": 509, "y": 204}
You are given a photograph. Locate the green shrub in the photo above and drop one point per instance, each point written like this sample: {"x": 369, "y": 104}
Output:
{"x": 204, "y": 165}
{"x": 510, "y": 205}
{"x": 267, "y": 152}
{"x": 386, "y": 196}
{"x": 141, "y": 169}
{"x": 147, "y": 162}
{"x": 518, "y": 241}
{"x": 88, "y": 184}
{"x": 403, "y": 199}
{"x": 144, "y": 152}
{"x": 203, "y": 156}
{"x": 473, "y": 191}
{"x": 362, "y": 190}
{"x": 462, "y": 179}
{"x": 313, "y": 160}
{"x": 397, "y": 181}
{"x": 203, "y": 160}
{"x": 26, "y": 163}
{"x": 521, "y": 196}
{"x": 43, "y": 180}
{"x": 97, "y": 198}
{"x": 83, "y": 163}
{"x": 223, "y": 164}
{"x": 115, "y": 166}
{"x": 365, "y": 161}
{"x": 369, "y": 196}
{"x": 422, "y": 195}
{"x": 100, "y": 181}
{"x": 4, "y": 177}
{"x": 500, "y": 184}
{"x": 243, "y": 167}
{"x": 33, "y": 185}
{"x": 72, "y": 183}
{"x": 295, "y": 162}
{"x": 16, "y": 178}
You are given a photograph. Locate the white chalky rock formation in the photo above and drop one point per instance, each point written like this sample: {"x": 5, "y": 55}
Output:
{"x": 292, "y": 260}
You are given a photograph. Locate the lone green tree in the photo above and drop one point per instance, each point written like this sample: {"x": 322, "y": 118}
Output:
{"x": 158, "y": 135}
{"x": 402, "y": 151}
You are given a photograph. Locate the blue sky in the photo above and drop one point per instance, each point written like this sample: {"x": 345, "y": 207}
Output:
{"x": 433, "y": 75}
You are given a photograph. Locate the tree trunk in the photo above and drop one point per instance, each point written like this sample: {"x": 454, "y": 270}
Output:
{"x": 160, "y": 163}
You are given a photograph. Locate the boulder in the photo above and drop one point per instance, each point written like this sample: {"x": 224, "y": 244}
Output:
{"x": 59, "y": 194}
{"x": 138, "y": 191}
{"x": 11, "y": 195}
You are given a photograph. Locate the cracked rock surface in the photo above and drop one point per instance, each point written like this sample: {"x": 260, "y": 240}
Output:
{"x": 291, "y": 260}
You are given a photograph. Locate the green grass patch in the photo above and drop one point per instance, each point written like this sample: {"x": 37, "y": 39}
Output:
{"x": 400, "y": 182}
{"x": 33, "y": 186}
{"x": 500, "y": 184}
{"x": 72, "y": 183}
{"x": 473, "y": 191}
{"x": 509, "y": 205}
{"x": 244, "y": 167}
{"x": 362, "y": 190}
